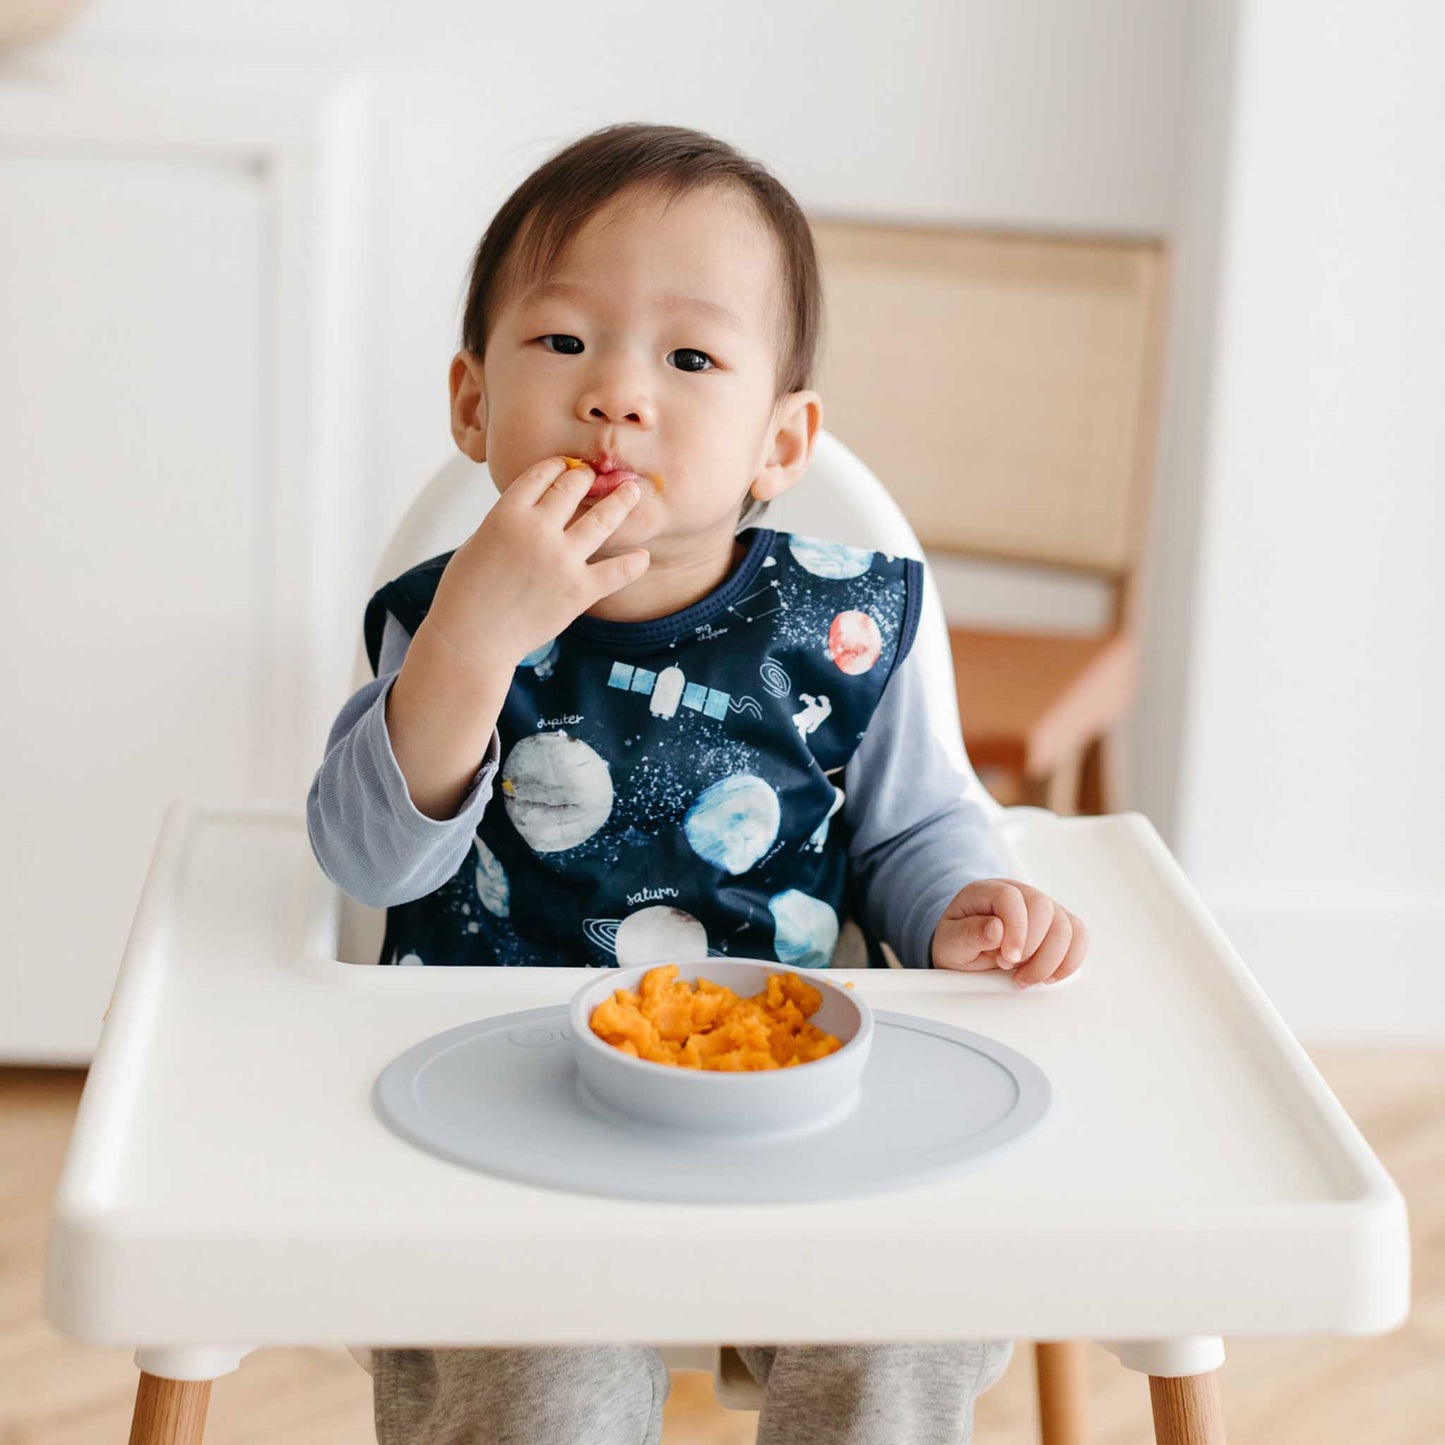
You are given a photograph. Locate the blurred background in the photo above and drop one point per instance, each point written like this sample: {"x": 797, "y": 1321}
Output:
{"x": 1133, "y": 303}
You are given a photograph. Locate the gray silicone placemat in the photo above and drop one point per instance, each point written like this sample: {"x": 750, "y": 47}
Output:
{"x": 500, "y": 1095}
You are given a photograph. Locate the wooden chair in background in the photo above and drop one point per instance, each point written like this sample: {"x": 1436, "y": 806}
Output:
{"x": 1006, "y": 388}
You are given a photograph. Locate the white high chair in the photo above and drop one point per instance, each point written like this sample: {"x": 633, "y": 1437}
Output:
{"x": 227, "y": 1184}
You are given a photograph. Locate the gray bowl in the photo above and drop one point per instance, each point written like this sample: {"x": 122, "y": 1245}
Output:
{"x": 766, "y": 1104}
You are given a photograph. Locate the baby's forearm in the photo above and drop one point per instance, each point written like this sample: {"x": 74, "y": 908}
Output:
{"x": 440, "y": 714}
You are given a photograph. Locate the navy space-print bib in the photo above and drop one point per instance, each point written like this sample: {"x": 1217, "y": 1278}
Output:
{"x": 672, "y": 789}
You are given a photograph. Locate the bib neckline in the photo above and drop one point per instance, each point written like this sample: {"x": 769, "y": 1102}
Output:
{"x": 663, "y": 629}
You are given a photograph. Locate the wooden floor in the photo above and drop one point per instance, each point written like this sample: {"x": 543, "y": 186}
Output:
{"x": 1388, "y": 1391}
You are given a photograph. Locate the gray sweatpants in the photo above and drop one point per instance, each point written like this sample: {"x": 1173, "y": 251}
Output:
{"x": 904, "y": 1394}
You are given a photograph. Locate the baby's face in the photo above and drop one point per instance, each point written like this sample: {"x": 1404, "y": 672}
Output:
{"x": 653, "y": 345}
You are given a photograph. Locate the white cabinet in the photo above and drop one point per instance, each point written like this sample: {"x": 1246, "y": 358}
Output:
{"x": 173, "y": 263}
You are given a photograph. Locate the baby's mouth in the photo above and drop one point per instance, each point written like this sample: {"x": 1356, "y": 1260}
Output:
{"x": 605, "y": 483}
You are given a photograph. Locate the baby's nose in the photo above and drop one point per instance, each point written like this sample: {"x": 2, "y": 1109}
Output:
{"x": 598, "y": 414}
{"x": 617, "y": 399}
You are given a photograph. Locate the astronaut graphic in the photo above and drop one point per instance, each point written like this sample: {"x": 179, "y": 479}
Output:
{"x": 814, "y": 715}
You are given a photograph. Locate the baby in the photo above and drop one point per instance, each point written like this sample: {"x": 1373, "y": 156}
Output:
{"x": 618, "y": 725}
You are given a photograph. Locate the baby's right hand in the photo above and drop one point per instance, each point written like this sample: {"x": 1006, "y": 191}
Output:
{"x": 525, "y": 573}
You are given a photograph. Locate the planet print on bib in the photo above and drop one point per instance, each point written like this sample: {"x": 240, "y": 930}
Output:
{"x": 805, "y": 929}
{"x": 834, "y": 560}
{"x": 733, "y": 822}
{"x": 493, "y": 890}
{"x": 854, "y": 642}
{"x": 558, "y": 792}
{"x": 542, "y": 659}
{"x": 658, "y": 935}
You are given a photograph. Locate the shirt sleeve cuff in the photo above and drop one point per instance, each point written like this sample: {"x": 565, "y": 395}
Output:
{"x": 916, "y": 941}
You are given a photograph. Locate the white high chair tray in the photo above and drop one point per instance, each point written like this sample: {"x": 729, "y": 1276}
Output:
{"x": 229, "y": 1183}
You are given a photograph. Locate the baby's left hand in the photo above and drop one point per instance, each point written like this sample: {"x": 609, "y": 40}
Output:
{"x": 998, "y": 923}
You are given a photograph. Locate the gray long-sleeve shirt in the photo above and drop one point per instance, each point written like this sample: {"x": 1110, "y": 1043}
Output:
{"x": 916, "y": 837}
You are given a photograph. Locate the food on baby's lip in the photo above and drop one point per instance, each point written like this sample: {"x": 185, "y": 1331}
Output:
{"x": 706, "y": 1026}
{"x": 575, "y": 462}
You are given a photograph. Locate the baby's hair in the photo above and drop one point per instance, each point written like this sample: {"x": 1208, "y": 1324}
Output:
{"x": 529, "y": 233}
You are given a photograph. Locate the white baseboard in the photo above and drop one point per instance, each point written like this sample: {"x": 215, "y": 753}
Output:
{"x": 1368, "y": 969}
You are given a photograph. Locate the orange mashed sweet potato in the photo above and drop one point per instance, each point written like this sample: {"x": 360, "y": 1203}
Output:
{"x": 666, "y": 1020}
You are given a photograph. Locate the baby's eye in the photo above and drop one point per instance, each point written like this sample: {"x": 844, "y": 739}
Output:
{"x": 560, "y": 336}
{"x": 687, "y": 351}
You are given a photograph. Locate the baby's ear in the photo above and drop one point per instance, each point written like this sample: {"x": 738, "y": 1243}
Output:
{"x": 469, "y": 405}
{"x": 796, "y": 420}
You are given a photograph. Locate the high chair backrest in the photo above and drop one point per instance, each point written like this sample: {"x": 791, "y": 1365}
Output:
{"x": 838, "y": 498}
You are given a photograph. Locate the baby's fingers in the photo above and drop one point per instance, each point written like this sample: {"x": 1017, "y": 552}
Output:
{"x": 560, "y": 499}
{"x": 613, "y": 573}
{"x": 967, "y": 943}
{"x": 1007, "y": 902}
{"x": 533, "y": 484}
{"x": 1078, "y": 947}
{"x": 597, "y": 524}
{"x": 1050, "y": 953}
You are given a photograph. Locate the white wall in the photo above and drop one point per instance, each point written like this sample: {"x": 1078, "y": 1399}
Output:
{"x": 1291, "y": 152}
{"x": 1036, "y": 114}
{"x": 1313, "y": 773}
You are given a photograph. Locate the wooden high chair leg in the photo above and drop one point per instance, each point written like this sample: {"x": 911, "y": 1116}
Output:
{"x": 169, "y": 1412}
{"x": 1101, "y": 774}
{"x": 1007, "y": 786}
{"x": 1059, "y": 790}
{"x": 1062, "y": 1369}
{"x": 1187, "y": 1409}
